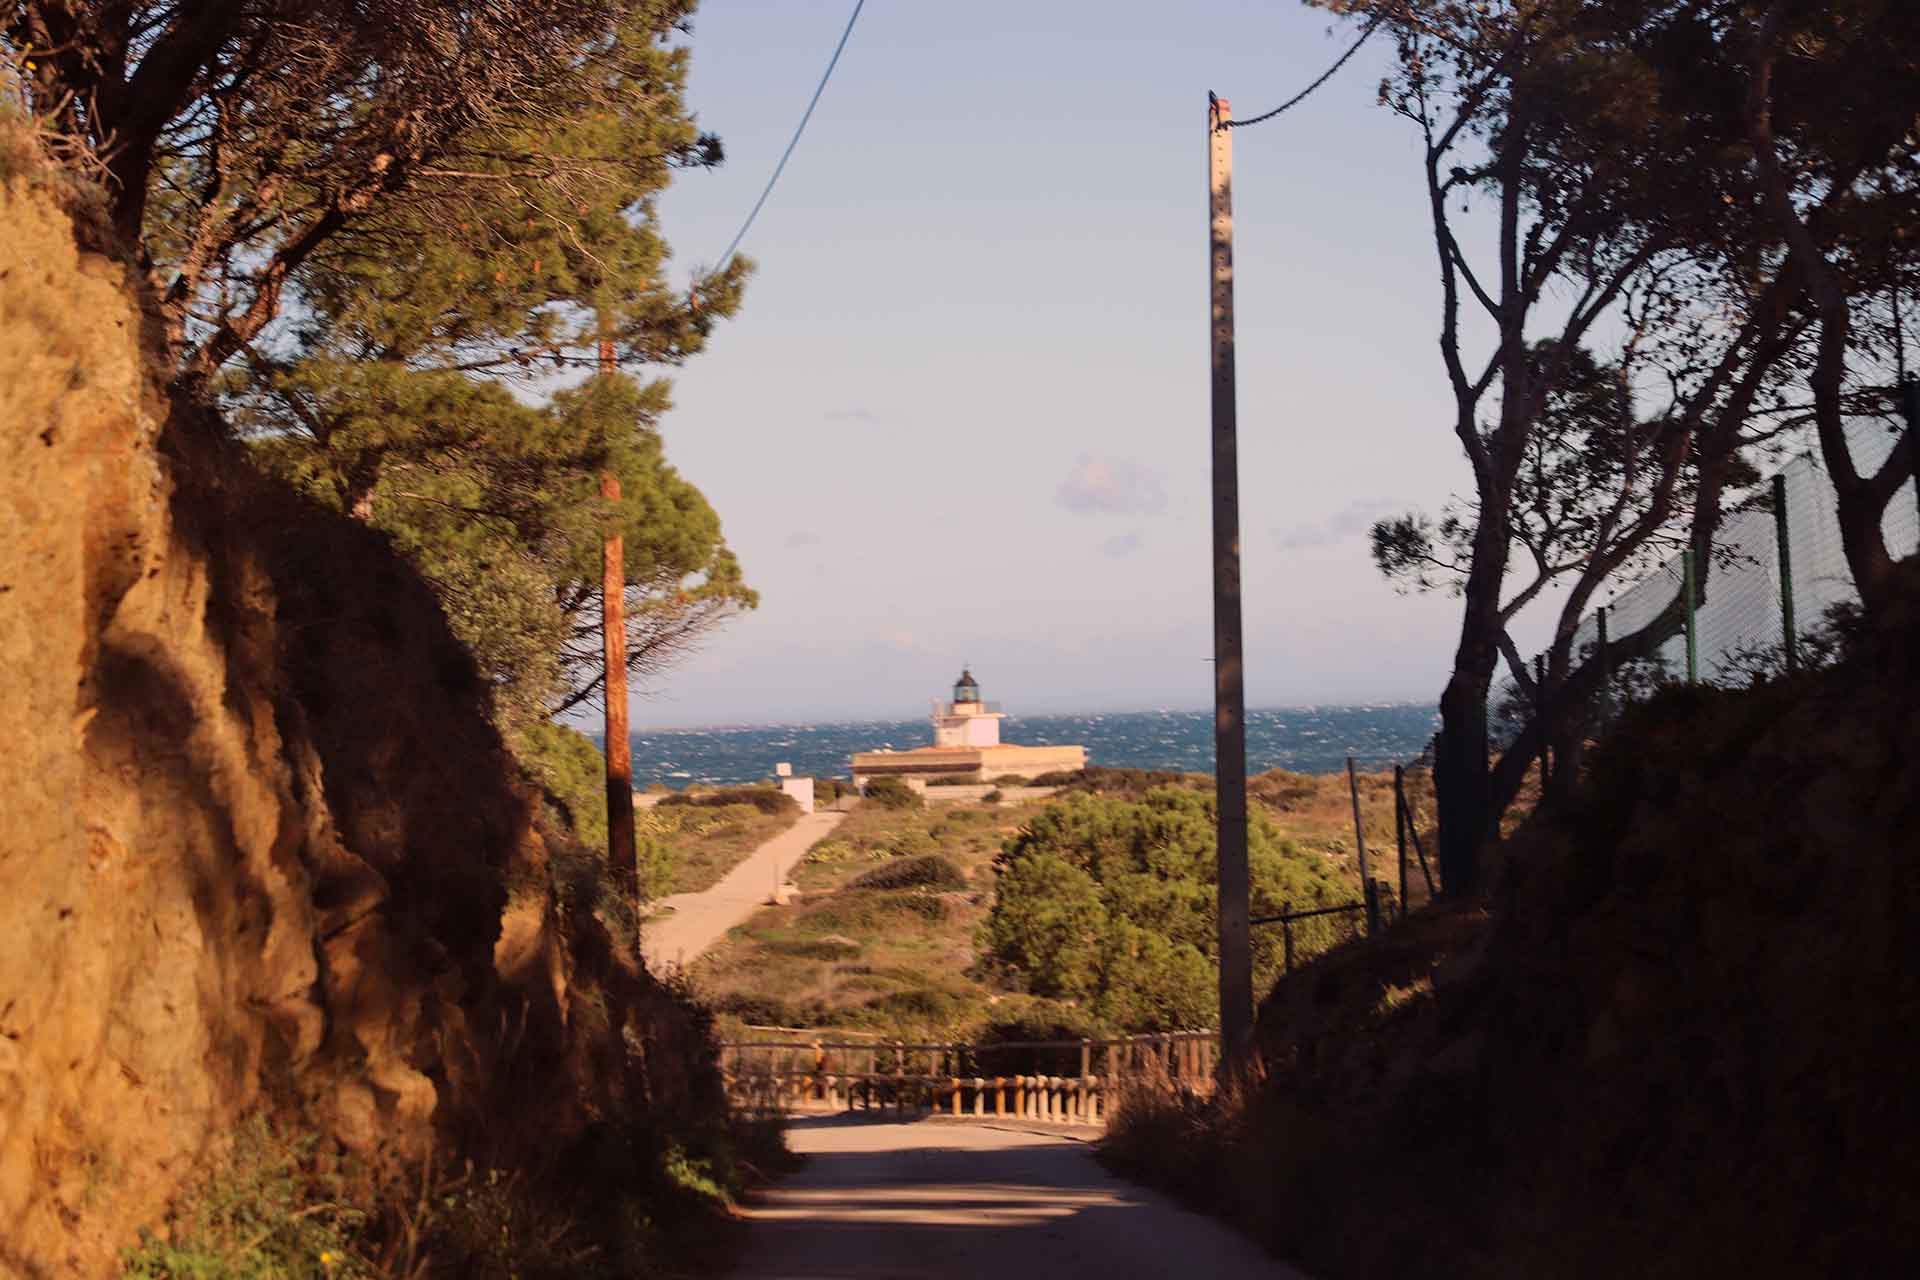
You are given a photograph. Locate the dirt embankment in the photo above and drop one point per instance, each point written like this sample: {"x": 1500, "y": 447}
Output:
{"x": 259, "y": 845}
{"x": 1676, "y": 1042}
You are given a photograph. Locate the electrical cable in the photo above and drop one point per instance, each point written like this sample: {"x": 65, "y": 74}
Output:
{"x": 1325, "y": 76}
{"x": 795, "y": 140}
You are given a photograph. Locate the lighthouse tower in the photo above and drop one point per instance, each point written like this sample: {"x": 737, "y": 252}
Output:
{"x": 966, "y": 721}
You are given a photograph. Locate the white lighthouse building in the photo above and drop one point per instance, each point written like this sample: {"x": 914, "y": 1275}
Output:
{"x": 966, "y": 721}
{"x": 966, "y": 744}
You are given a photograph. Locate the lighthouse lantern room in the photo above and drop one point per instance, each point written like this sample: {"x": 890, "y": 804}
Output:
{"x": 966, "y": 721}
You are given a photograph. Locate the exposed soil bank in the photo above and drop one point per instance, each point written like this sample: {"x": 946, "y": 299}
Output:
{"x": 260, "y": 847}
{"x": 1675, "y": 1042}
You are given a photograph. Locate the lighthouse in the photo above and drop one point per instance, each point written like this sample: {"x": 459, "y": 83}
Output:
{"x": 966, "y": 721}
{"x": 966, "y": 746}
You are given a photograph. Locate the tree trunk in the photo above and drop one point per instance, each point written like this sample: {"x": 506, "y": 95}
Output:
{"x": 1460, "y": 778}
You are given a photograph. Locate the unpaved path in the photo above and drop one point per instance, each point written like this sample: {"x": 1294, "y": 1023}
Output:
{"x": 957, "y": 1200}
{"x": 699, "y": 920}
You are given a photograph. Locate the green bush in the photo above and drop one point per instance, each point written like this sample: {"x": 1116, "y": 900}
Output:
{"x": 260, "y": 1213}
{"x": 1013, "y": 780}
{"x": 928, "y": 871}
{"x": 572, "y": 774}
{"x": 953, "y": 780}
{"x": 875, "y": 910}
{"x": 1110, "y": 902}
{"x": 893, "y": 793}
{"x": 992, "y": 797}
{"x": 765, "y": 799}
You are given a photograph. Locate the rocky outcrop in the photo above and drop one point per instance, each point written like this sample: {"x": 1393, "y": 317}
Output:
{"x": 257, "y": 835}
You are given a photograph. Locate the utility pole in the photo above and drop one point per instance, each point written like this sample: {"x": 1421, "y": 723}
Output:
{"x": 1693, "y": 621}
{"x": 1783, "y": 542}
{"x": 1229, "y": 691}
{"x": 622, "y": 855}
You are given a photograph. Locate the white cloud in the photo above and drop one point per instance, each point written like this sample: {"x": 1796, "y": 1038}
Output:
{"x": 1112, "y": 486}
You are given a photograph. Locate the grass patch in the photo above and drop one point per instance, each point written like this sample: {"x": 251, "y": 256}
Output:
{"x": 706, "y": 841}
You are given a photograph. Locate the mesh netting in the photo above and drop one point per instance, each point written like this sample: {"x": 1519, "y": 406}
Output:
{"x": 1740, "y": 624}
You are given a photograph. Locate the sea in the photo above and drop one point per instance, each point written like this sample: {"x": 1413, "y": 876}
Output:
{"x": 1303, "y": 739}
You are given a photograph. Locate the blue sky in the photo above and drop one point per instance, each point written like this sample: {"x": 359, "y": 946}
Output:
{"x": 962, "y": 415}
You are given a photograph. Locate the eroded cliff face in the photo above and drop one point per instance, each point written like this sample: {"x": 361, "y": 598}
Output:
{"x": 257, "y": 836}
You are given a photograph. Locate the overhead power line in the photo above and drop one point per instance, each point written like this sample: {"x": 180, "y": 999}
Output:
{"x": 1325, "y": 76}
{"x": 795, "y": 141}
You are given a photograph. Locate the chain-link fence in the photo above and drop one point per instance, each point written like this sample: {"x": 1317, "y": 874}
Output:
{"x": 1751, "y": 596}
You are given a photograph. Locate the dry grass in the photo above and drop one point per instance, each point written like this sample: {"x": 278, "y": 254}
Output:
{"x": 709, "y": 842}
{"x": 876, "y": 958}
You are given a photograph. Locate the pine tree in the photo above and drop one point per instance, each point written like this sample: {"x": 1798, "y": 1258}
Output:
{"x": 422, "y": 383}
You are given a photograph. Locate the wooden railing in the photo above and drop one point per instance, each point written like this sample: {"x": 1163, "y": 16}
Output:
{"x": 1031, "y": 1079}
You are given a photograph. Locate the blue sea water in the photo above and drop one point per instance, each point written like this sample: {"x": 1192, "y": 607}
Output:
{"x": 1304, "y": 739}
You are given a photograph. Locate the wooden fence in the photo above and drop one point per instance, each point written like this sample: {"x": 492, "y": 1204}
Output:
{"x": 1032, "y": 1079}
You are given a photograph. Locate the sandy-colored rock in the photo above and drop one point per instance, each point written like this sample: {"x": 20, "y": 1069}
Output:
{"x": 256, "y": 828}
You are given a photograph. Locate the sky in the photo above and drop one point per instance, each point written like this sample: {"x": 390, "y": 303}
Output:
{"x": 962, "y": 416}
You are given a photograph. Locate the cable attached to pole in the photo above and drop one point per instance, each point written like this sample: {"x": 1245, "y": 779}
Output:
{"x": 1325, "y": 76}
{"x": 795, "y": 140}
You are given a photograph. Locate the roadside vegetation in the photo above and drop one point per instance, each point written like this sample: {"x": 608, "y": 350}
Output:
{"x": 1671, "y": 1044}
{"x": 705, "y": 834}
{"x": 1084, "y": 907}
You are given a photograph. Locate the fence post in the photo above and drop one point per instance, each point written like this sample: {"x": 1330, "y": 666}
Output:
{"x": 1400, "y": 829}
{"x": 1371, "y": 894}
{"x": 1790, "y": 634}
{"x": 1359, "y": 836}
{"x": 1286, "y": 932}
{"x": 1693, "y": 633}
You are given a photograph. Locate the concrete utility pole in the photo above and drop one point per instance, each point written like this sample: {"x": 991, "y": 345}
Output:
{"x": 1229, "y": 692}
{"x": 622, "y": 854}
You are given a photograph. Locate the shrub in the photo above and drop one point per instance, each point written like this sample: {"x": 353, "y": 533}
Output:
{"x": 1110, "y": 902}
{"x": 1013, "y": 780}
{"x": 765, "y": 799}
{"x": 921, "y": 1005}
{"x": 875, "y": 911}
{"x": 260, "y": 1213}
{"x": 1058, "y": 778}
{"x": 992, "y": 797}
{"x": 953, "y": 780}
{"x": 928, "y": 871}
{"x": 893, "y": 793}
{"x": 571, "y": 773}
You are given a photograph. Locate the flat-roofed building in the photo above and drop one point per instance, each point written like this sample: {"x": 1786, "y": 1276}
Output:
{"x": 966, "y": 744}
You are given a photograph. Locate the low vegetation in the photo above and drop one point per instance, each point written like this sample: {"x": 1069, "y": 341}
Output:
{"x": 272, "y": 1205}
{"x": 1089, "y": 912}
{"x": 1670, "y": 1047}
{"x": 707, "y": 835}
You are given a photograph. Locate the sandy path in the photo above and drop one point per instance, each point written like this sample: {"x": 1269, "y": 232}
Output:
{"x": 946, "y": 1200}
{"x": 701, "y": 919}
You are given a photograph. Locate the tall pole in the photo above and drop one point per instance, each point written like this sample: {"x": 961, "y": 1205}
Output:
{"x": 1789, "y": 633}
{"x": 1360, "y": 844}
{"x": 622, "y": 854}
{"x": 1229, "y": 692}
{"x": 1400, "y": 830}
{"x": 1693, "y": 641}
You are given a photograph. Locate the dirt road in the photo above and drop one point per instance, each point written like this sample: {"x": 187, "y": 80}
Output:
{"x": 956, "y": 1200}
{"x": 698, "y": 920}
